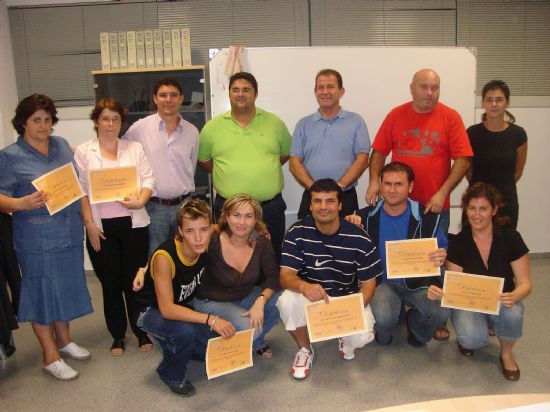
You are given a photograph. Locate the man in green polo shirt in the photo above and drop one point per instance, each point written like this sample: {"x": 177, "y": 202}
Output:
{"x": 244, "y": 150}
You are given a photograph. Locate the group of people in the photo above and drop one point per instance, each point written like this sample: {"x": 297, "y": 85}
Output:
{"x": 203, "y": 273}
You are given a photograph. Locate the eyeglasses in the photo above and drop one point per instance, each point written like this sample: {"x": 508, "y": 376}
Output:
{"x": 107, "y": 119}
{"x": 173, "y": 95}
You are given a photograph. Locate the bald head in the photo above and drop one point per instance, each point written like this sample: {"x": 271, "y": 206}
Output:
{"x": 425, "y": 90}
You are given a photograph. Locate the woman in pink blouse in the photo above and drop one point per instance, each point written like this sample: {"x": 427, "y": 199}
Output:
{"x": 117, "y": 238}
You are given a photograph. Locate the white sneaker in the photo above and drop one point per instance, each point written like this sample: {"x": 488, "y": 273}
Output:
{"x": 60, "y": 370}
{"x": 346, "y": 352}
{"x": 75, "y": 352}
{"x": 303, "y": 362}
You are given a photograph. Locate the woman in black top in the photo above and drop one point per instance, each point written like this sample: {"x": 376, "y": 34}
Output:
{"x": 500, "y": 147}
{"x": 486, "y": 247}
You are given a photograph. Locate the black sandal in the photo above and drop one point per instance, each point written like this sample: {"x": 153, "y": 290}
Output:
{"x": 144, "y": 343}
{"x": 118, "y": 347}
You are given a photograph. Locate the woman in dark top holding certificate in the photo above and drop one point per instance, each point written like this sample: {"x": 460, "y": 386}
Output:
{"x": 487, "y": 247}
{"x": 242, "y": 277}
{"x": 500, "y": 148}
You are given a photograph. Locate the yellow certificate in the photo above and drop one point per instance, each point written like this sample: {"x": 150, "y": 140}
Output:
{"x": 409, "y": 258}
{"x": 62, "y": 187}
{"x": 224, "y": 356}
{"x": 111, "y": 184}
{"x": 342, "y": 316}
{"x": 475, "y": 293}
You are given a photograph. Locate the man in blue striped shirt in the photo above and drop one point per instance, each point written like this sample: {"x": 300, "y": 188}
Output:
{"x": 322, "y": 256}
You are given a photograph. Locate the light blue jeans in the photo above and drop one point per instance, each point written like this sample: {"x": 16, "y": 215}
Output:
{"x": 423, "y": 319}
{"x": 472, "y": 328}
{"x": 231, "y": 311}
{"x": 164, "y": 223}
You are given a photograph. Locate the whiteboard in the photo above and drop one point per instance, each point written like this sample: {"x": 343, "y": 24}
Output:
{"x": 376, "y": 79}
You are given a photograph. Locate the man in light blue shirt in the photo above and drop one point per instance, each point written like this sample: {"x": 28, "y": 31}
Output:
{"x": 330, "y": 143}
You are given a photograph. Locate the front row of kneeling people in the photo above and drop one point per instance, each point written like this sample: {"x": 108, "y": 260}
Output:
{"x": 240, "y": 284}
{"x": 324, "y": 256}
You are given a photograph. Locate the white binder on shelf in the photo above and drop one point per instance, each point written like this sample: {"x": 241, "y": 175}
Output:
{"x": 149, "y": 48}
{"x": 140, "y": 49}
{"x": 122, "y": 50}
{"x": 113, "y": 50}
{"x": 185, "y": 47}
{"x": 176, "y": 48}
{"x": 104, "y": 47}
{"x": 159, "y": 54}
{"x": 167, "y": 47}
{"x": 132, "y": 55}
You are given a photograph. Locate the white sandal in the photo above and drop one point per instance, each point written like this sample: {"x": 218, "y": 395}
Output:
{"x": 75, "y": 352}
{"x": 60, "y": 370}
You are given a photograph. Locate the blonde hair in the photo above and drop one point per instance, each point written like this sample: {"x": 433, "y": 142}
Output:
{"x": 193, "y": 210}
{"x": 236, "y": 202}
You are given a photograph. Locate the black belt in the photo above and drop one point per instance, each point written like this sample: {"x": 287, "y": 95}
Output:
{"x": 264, "y": 202}
{"x": 169, "y": 202}
{"x": 277, "y": 196}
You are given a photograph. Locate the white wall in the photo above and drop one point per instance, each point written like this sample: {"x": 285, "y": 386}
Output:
{"x": 534, "y": 187}
{"x": 8, "y": 86}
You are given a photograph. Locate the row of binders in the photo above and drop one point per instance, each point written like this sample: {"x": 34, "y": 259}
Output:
{"x": 145, "y": 49}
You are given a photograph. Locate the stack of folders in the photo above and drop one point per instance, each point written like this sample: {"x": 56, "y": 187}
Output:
{"x": 145, "y": 49}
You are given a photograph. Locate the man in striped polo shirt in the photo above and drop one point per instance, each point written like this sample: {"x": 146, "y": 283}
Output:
{"x": 322, "y": 256}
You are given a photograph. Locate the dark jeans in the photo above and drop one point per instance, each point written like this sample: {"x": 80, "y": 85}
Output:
{"x": 122, "y": 252}
{"x": 349, "y": 203}
{"x": 274, "y": 218}
{"x": 179, "y": 341}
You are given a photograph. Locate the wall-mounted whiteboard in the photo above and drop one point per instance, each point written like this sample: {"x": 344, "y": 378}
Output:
{"x": 376, "y": 79}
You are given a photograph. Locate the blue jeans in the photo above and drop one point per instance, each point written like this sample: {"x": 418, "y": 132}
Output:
{"x": 472, "y": 328}
{"x": 179, "y": 341}
{"x": 164, "y": 223}
{"x": 423, "y": 319}
{"x": 231, "y": 311}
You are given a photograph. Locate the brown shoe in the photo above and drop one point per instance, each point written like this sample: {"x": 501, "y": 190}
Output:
{"x": 442, "y": 333}
{"x": 509, "y": 374}
{"x": 464, "y": 351}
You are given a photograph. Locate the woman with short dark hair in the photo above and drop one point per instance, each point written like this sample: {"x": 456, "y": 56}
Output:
{"x": 48, "y": 247}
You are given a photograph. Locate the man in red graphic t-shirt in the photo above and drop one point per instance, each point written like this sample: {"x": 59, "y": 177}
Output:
{"x": 426, "y": 135}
